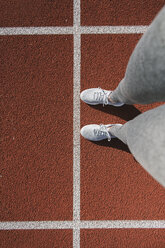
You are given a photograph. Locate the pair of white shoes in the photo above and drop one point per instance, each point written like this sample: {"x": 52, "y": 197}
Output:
{"x": 96, "y": 132}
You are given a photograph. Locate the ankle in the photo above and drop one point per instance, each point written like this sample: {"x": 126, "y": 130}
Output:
{"x": 113, "y": 128}
{"x": 110, "y": 98}
{"x": 109, "y": 129}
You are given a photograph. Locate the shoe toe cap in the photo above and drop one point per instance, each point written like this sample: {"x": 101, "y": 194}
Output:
{"x": 87, "y": 132}
{"x": 82, "y": 95}
{"x": 87, "y": 96}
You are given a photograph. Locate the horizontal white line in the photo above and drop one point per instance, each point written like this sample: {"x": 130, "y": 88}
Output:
{"x": 36, "y": 30}
{"x": 72, "y": 30}
{"x": 123, "y": 224}
{"x": 113, "y": 29}
{"x": 14, "y": 225}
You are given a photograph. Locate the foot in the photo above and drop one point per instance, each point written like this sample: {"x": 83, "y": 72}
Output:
{"x": 96, "y": 96}
{"x": 96, "y": 132}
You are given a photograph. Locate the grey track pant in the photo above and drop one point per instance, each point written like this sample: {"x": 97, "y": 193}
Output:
{"x": 144, "y": 83}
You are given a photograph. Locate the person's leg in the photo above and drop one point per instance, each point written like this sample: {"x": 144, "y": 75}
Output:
{"x": 145, "y": 137}
{"x": 144, "y": 80}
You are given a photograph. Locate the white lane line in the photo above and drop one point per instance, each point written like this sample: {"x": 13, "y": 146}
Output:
{"x": 76, "y": 128}
{"x": 35, "y": 30}
{"x": 76, "y": 124}
{"x": 74, "y": 29}
{"x": 123, "y": 224}
{"x": 76, "y": 14}
{"x": 76, "y": 237}
{"x": 76, "y": 140}
{"x": 76, "y": 226}
{"x": 35, "y": 225}
{"x": 113, "y": 29}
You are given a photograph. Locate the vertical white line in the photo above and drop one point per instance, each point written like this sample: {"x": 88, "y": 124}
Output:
{"x": 76, "y": 17}
{"x": 76, "y": 125}
{"x": 76, "y": 129}
{"x": 76, "y": 237}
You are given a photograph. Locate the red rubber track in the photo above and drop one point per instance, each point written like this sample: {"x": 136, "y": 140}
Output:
{"x": 127, "y": 238}
{"x": 123, "y": 12}
{"x": 36, "y": 238}
{"x": 22, "y": 13}
{"x": 37, "y": 129}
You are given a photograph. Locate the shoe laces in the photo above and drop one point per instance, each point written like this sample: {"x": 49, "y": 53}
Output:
{"x": 101, "y": 96}
{"x": 102, "y": 131}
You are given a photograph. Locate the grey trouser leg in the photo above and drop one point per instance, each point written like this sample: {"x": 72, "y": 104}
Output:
{"x": 144, "y": 83}
{"x": 145, "y": 137}
{"x": 144, "y": 80}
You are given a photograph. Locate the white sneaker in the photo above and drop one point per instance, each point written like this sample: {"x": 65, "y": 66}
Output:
{"x": 96, "y": 132}
{"x": 96, "y": 96}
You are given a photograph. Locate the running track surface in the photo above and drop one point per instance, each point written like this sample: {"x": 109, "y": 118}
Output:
{"x": 57, "y": 189}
